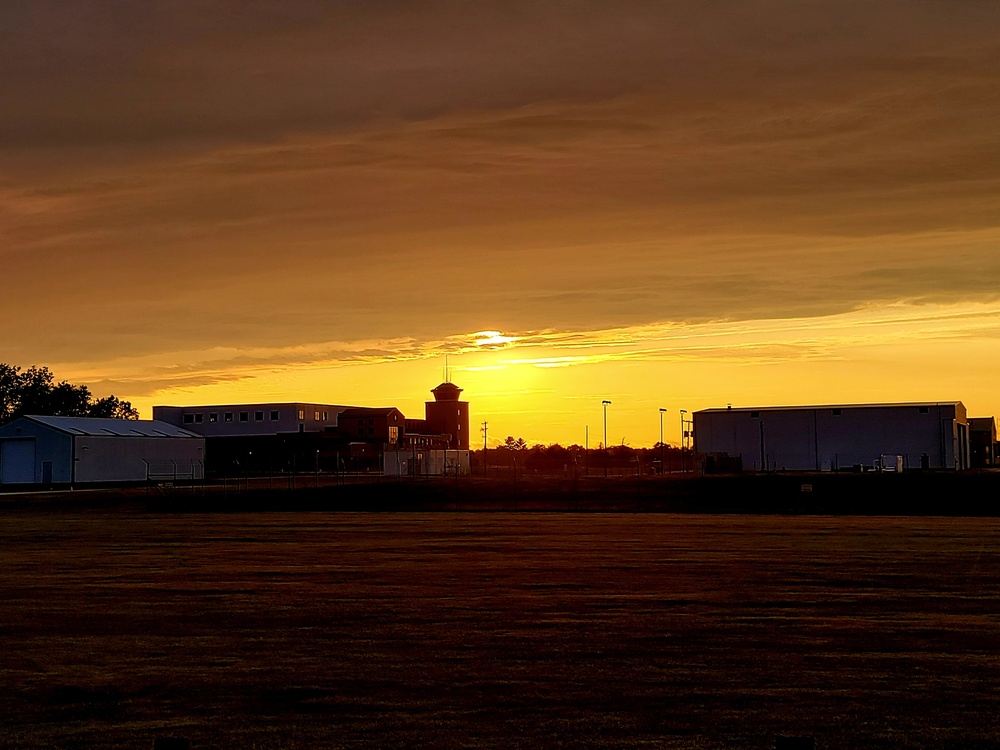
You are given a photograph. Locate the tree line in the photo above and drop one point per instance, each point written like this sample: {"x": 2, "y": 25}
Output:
{"x": 560, "y": 459}
{"x": 35, "y": 391}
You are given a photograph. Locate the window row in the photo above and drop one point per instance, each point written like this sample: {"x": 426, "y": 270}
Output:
{"x": 247, "y": 416}
{"x": 316, "y": 415}
{"x": 229, "y": 416}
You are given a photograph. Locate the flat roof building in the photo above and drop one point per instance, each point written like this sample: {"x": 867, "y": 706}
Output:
{"x": 929, "y": 435}
{"x": 372, "y": 424}
{"x": 244, "y": 420}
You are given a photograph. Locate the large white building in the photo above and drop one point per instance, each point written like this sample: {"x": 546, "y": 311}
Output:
{"x": 828, "y": 438}
{"x": 75, "y": 450}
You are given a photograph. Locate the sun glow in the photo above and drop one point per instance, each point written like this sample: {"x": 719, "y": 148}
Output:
{"x": 493, "y": 339}
{"x": 547, "y": 386}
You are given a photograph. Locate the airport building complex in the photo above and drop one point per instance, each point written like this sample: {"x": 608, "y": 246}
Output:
{"x": 299, "y": 436}
{"x": 183, "y": 443}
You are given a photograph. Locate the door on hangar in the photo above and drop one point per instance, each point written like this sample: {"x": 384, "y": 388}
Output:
{"x": 17, "y": 461}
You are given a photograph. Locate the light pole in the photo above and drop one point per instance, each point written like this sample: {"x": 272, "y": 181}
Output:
{"x": 662, "y": 412}
{"x": 605, "y": 404}
{"x": 485, "y": 425}
{"x": 683, "y": 412}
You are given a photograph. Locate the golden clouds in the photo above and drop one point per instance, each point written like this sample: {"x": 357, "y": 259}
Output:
{"x": 544, "y": 382}
{"x": 242, "y": 196}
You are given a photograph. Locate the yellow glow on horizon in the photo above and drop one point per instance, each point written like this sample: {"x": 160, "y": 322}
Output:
{"x": 547, "y": 386}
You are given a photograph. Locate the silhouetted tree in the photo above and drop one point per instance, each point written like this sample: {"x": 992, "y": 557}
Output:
{"x": 34, "y": 391}
{"x": 112, "y": 407}
{"x": 515, "y": 445}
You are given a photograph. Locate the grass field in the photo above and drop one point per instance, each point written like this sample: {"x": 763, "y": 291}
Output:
{"x": 498, "y": 630}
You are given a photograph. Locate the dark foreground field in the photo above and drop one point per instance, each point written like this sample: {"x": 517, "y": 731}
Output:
{"x": 498, "y": 630}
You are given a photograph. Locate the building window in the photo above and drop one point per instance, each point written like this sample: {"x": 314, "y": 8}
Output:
{"x": 836, "y": 412}
{"x": 315, "y": 416}
{"x": 460, "y": 427}
{"x": 258, "y": 416}
{"x": 371, "y": 421}
{"x": 326, "y": 416}
{"x": 244, "y": 416}
{"x": 213, "y": 418}
{"x": 925, "y": 410}
{"x": 459, "y": 412}
{"x": 229, "y": 416}
{"x": 302, "y": 414}
{"x": 199, "y": 418}
{"x": 274, "y": 416}
{"x": 755, "y": 415}
{"x": 189, "y": 419}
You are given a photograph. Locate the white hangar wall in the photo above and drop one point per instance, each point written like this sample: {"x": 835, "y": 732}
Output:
{"x": 827, "y": 438}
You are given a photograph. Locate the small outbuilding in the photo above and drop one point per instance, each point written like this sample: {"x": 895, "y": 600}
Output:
{"x": 76, "y": 450}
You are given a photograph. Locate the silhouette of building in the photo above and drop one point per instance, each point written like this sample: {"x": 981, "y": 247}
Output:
{"x": 830, "y": 438}
{"x": 445, "y": 415}
{"x": 78, "y": 450}
{"x": 299, "y": 436}
{"x": 385, "y": 426}
{"x": 245, "y": 420}
{"x": 983, "y": 441}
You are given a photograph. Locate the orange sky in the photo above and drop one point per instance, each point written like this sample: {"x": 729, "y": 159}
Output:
{"x": 675, "y": 205}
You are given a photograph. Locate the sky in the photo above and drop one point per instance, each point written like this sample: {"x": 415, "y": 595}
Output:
{"x": 667, "y": 205}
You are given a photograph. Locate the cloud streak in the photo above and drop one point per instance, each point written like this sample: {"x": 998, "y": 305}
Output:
{"x": 756, "y": 343}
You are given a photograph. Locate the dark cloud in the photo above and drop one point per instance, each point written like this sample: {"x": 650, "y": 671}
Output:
{"x": 189, "y": 175}
{"x": 91, "y": 73}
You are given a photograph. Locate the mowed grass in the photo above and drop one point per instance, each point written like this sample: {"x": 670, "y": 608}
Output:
{"x": 497, "y": 630}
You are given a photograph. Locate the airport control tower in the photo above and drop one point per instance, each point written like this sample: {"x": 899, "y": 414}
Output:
{"x": 446, "y": 414}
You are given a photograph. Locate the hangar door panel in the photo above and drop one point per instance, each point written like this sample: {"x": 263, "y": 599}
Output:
{"x": 17, "y": 461}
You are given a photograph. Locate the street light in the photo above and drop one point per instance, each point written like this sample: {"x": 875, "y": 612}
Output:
{"x": 683, "y": 412}
{"x": 662, "y": 412}
{"x": 605, "y": 404}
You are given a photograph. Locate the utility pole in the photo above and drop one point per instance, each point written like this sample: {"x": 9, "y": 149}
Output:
{"x": 662, "y": 412}
{"x": 605, "y": 404}
{"x": 683, "y": 412}
{"x": 485, "y": 424}
{"x": 763, "y": 465}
